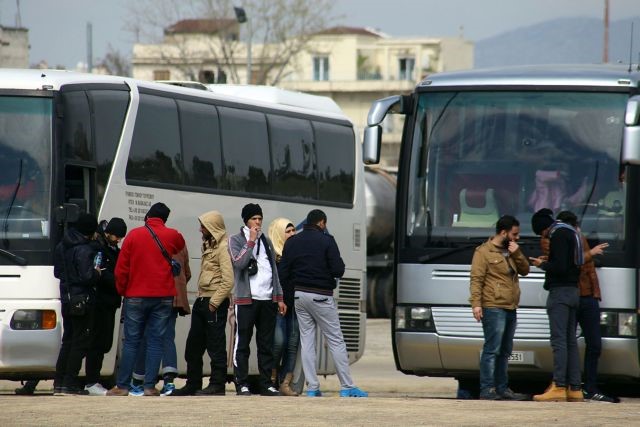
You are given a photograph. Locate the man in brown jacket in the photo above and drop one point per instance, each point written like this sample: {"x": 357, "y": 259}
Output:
{"x": 495, "y": 294}
{"x": 209, "y": 314}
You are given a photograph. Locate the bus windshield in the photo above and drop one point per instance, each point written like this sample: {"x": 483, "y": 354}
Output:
{"x": 477, "y": 155}
{"x": 25, "y": 168}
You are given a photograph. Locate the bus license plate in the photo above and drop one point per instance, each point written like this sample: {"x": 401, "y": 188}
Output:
{"x": 517, "y": 357}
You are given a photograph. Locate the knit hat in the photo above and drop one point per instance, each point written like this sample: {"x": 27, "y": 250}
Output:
{"x": 86, "y": 224}
{"x": 250, "y": 210}
{"x": 117, "y": 227}
{"x": 158, "y": 210}
{"x": 542, "y": 220}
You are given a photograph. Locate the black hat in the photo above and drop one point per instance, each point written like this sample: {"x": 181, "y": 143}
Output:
{"x": 86, "y": 224}
{"x": 117, "y": 227}
{"x": 158, "y": 210}
{"x": 542, "y": 220}
{"x": 250, "y": 210}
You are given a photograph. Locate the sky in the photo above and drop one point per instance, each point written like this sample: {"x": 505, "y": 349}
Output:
{"x": 57, "y": 28}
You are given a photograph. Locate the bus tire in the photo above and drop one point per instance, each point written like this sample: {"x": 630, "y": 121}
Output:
{"x": 372, "y": 307}
{"x": 384, "y": 294}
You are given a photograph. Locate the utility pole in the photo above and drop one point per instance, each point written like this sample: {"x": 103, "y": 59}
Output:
{"x": 605, "y": 51}
{"x": 89, "y": 47}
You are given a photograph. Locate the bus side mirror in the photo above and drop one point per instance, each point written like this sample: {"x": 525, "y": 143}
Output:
{"x": 630, "y": 153}
{"x": 371, "y": 145}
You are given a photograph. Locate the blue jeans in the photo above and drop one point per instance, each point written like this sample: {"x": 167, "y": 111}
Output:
{"x": 589, "y": 321}
{"x": 143, "y": 317}
{"x": 286, "y": 342}
{"x": 562, "y": 309}
{"x": 169, "y": 352}
{"x": 499, "y": 327}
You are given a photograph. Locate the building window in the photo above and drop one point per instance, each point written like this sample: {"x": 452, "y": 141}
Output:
{"x": 207, "y": 76}
{"x": 321, "y": 68}
{"x": 406, "y": 66}
{"x": 161, "y": 75}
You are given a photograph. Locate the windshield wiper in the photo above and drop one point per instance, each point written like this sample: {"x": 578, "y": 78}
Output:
{"x": 13, "y": 257}
{"x": 5, "y": 226}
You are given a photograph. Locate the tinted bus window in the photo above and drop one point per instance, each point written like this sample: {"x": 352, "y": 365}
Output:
{"x": 245, "y": 149}
{"x": 155, "y": 147}
{"x": 293, "y": 155}
{"x": 76, "y": 135}
{"x": 201, "y": 144}
{"x": 336, "y": 162}
{"x": 109, "y": 109}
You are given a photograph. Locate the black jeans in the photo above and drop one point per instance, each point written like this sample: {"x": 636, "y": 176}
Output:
{"x": 589, "y": 320}
{"x": 562, "y": 308}
{"x": 101, "y": 342}
{"x": 82, "y": 327}
{"x": 261, "y": 315}
{"x": 207, "y": 332}
{"x": 65, "y": 346}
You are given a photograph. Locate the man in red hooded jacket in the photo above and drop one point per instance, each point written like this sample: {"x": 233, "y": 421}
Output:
{"x": 144, "y": 277}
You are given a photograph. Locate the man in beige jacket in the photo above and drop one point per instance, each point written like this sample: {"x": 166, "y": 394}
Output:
{"x": 209, "y": 313}
{"x": 495, "y": 294}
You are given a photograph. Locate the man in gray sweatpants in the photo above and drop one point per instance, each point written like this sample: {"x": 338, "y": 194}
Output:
{"x": 310, "y": 264}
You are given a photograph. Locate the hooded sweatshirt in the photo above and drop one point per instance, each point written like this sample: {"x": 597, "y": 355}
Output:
{"x": 216, "y": 270}
{"x": 73, "y": 265}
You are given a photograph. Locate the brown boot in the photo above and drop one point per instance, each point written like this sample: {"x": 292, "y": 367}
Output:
{"x": 574, "y": 395}
{"x": 285, "y": 387}
{"x": 552, "y": 394}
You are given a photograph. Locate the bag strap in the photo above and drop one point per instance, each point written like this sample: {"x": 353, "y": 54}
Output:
{"x": 162, "y": 249}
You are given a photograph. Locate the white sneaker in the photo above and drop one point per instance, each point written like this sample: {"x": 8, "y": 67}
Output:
{"x": 96, "y": 390}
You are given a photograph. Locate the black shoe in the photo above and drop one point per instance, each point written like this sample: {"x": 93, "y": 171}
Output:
{"x": 509, "y": 394}
{"x": 271, "y": 391}
{"x": 72, "y": 391}
{"x": 599, "y": 397}
{"x": 243, "y": 390}
{"x": 187, "y": 390}
{"x": 489, "y": 394}
{"x": 24, "y": 391}
{"x": 211, "y": 390}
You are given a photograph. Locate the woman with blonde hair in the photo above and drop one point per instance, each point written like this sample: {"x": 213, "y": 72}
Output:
{"x": 287, "y": 335}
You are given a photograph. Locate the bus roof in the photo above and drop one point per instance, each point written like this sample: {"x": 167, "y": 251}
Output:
{"x": 539, "y": 75}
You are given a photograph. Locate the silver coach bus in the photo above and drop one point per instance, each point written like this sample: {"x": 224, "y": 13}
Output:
{"x": 480, "y": 144}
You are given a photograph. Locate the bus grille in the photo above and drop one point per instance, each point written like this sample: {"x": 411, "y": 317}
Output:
{"x": 349, "y": 294}
{"x": 350, "y": 325}
{"x": 459, "y": 322}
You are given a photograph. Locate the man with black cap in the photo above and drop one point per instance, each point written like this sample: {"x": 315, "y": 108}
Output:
{"x": 107, "y": 302}
{"x": 74, "y": 266}
{"x": 145, "y": 278}
{"x": 257, "y": 297}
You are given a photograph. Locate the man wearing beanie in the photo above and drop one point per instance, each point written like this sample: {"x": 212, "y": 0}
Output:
{"x": 107, "y": 302}
{"x": 144, "y": 277}
{"x": 258, "y": 299}
{"x": 74, "y": 266}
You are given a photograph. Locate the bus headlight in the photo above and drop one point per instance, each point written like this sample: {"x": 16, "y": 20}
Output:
{"x": 415, "y": 319}
{"x": 618, "y": 324}
{"x": 33, "y": 319}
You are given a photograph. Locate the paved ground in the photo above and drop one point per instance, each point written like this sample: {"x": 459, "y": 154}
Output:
{"x": 396, "y": 399}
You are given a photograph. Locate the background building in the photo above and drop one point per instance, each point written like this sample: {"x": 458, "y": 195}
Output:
{"x": 14, "y": 47}
{"x": 352, "y": 65}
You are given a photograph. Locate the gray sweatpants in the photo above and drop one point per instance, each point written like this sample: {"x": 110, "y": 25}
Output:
{"x": 320, "y": 310}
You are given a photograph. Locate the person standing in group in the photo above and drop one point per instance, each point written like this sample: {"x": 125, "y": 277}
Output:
{"x": 588, "y": 316}
{"x": 74, "y": 265}
{"x": 495, "y": 295}
{"x": 287, "y": 334}
{"x": 209, "y": 317}
{"x": 144, "y": 277}
{"x": 169, "y": 353}
{"x": 311, "y": 263}
{"x": 107, "y": 302}
{"x": 257, "y": 297}
{"x": 562, "y": 271}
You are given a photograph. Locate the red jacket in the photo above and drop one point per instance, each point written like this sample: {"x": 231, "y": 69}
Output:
{"x": 142, "y": 270}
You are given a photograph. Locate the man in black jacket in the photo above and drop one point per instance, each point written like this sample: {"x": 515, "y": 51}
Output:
{"x": 310, "y": 264}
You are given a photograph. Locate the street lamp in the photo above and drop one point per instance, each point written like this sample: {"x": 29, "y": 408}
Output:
{"x": 241, "y": 17}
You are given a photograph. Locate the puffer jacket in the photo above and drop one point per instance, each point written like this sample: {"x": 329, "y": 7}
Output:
{"x": 494, "y": 277}
{"x": 73, "y": 265}
{"x": 216, "y": 270}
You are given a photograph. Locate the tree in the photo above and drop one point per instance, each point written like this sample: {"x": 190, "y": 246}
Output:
{"x": 277, "y": 29}
{"x": 115, "y": 63}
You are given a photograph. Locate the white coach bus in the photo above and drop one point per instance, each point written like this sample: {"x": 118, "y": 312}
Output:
{"x": 479, "y": 144}
{"x": 114, "y": 146}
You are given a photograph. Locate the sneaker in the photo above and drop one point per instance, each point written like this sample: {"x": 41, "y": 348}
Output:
{"x": 152, "y": 391}
{"x": 187, "y": 390}
{"x": 211, "y": 390}
{"x": 73, "y": 391}
{"x": 599, "y": 397}
{"x": 270, "y": 391}
{"x": 509, "y": 394}
{"x": 24, "y": 391}
{"x": 96, "y": 390}
{"x": 136, "y": 390}
{"x": 489, "y": 394}
{"x": 117, "y": 391}
{"x": 353, "y": 392}
{"x": 314, "y": 393}
{"x": 244, "y": 391}
{"x": 167, "y": 389}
